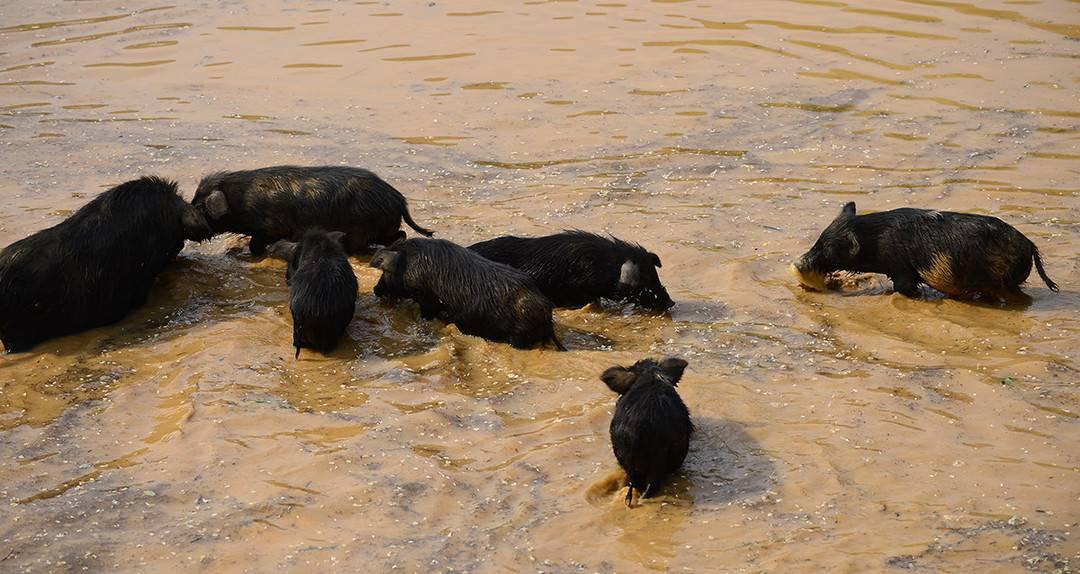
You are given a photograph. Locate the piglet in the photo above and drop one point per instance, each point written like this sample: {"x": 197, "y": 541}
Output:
{"x": 575, "y": 268}
{"x": 95, "y": 266}
{"x": 963, "y": 255}
{"x": 482, "y": 297}
{"x": 651, "y": 429}
{"x": 282, "y": 202}
{"x": 322, "y": 288}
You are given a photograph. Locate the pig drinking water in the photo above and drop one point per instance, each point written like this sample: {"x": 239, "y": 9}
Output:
{"x": 282, "y": 202}
{"x": 322, "y": 288}
{"x": 650, "y": 432}
{"x": 960, "y": 254}
{"x": 482, "y": 297}
{"x": 97, "y": 265}
{"x": 575, "y": 268}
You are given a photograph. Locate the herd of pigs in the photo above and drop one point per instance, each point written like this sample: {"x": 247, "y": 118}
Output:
{"x": 101, "y": 262}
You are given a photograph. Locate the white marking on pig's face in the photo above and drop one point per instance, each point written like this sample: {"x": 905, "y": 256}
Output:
{"x": 629, "y": 274}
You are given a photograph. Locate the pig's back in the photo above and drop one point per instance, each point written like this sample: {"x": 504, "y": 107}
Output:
{"x": 651, "y": 430}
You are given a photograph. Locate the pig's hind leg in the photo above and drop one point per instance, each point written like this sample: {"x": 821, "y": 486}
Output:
{"x": 632, "y": 483}
{"x": 650, "y": 490}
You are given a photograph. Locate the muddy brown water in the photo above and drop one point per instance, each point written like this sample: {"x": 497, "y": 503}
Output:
{"x": 850, "y": 432}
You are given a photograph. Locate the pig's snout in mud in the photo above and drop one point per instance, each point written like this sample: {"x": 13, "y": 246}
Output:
{"x": 808, "y": 278}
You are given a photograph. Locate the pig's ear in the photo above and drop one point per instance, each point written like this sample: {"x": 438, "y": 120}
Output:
{"x": 386, "y": 260}
{"x": 338, "y": 236}
{"x": 619, "y": 379}
{"x": 628, "y": 274}
{"x": 655, "y": 259}
{"x": 673, "y": 368}
{"x": 849, "y": 209}
{"x": 282, "y": 250}
{"x": 216, "y": 204}
{"x": 194, "y": 224}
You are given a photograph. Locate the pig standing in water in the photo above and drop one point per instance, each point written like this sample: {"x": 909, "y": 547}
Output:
{"x": 282, "y": 202}
{"x": 482, "y": 297}
{"x": 575, "y": 268}
{"x": 650, "y": 431}
{"x": 95, "y": 266}
{"x": 322, "y": 288}
{"x": 960, "y": 254}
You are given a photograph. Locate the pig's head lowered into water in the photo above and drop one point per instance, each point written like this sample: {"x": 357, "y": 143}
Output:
{"x": 837, "y": 248}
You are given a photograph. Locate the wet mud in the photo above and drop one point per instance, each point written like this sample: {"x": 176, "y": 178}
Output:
{"x": 846, "y": 430}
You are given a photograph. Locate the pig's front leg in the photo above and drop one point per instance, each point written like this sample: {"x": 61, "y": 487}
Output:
{"x": 906, "y": 283}
{"x": 430, "y": 306}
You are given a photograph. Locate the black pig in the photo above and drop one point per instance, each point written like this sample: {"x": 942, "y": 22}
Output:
{"x": 282, "y": 202}
{"x": 575, "y": 268}
{"x": 651, "y": 429}
{"x": 960, "y": 254}
{"x": 322, "y": 288}
{"x": 95, "y": 266}
{"x": 482, "y": 297}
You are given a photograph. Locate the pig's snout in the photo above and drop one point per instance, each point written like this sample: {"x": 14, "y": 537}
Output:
{"x": 806, "y": 275}
{"x": 802, "y": 264}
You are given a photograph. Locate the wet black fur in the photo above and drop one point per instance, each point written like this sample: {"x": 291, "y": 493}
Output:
{"x": 482, "y": 297}
{"x": 575, "y": 268}
{"x": 987, "y": 256}
{"x": 282, "y": 202}
{"x": 322, "y": 291}
{"x": 95, "y": 266}
{"x": 650, "y": 432}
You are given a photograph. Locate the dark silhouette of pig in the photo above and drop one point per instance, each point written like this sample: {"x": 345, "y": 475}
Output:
{"x": 322, "y": 288}
{"x": 960, "y": 254}
{"x": 651, "y": 429}
{"x": 282, "y": 202}
{"x": 575, "y": 268}
{"x": 95, "y": 266}
{"x": 482, "y": 297}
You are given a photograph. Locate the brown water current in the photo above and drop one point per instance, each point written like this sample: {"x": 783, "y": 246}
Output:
{"x": 853, "y": 431}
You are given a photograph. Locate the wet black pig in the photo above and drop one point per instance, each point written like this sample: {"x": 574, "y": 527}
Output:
{"x": 322, "y": 288}
{"x": 575, "y": 268}
{"x": 650, "y": 432}
{"x": 282, "y": 202}
{"x": 95, "y": 266}
{"x": 960, "y": 254}
{"x": 482, "y": 297}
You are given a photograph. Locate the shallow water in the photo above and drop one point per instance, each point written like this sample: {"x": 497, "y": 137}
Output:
{"x": 850, "y": 432}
